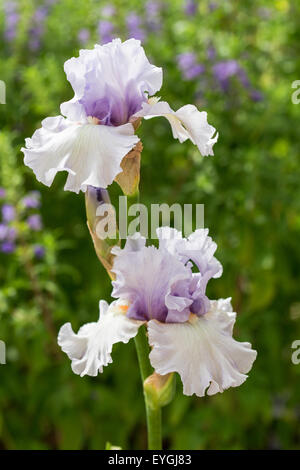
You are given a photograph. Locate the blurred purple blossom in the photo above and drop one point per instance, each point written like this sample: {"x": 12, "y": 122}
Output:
{"x": 105, "y": 31}
{"x": 39, "y": 251}
{"x": 190, "y": 7}
{"x": 3, "y": 231}
{"x": 153, "y": 9}
{"x": 32, "y": 200}
{"x": 224, "y": 70}
{"x": 8, "y": 247}
{"x": 2, "y": 192}
{"x": 213, "y": 6}
{"x": 83, "y": 36}
{"x": 211, "y": 52}
{"x": 187, "y": 62}
{"x": 135, "y": 30}
{"x": 34, "y": 222}
{"x": 256, "y": 95}
{"x": 8, "y": 213}
{"x": 108, "y": 11}
{"x": 12, "y": 18}
{"x": 11, "y": 234}
{"x": 37, "y": 29}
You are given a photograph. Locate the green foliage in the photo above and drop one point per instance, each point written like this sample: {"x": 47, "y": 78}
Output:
{"x": 251, "y": 193}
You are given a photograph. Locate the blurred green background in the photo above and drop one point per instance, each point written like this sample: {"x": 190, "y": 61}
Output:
{"x": 237, "y": 60}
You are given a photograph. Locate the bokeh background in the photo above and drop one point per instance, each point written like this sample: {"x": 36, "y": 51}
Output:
{"x": 237, "y": 60}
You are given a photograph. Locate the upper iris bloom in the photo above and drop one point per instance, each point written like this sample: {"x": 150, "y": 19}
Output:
{"x": 112, "y": 85}
{"x": 188, "y": 333}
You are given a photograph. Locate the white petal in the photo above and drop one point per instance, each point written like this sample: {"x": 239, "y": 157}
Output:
{"x": 202, "y": 351}
{"x": 90, "y": 349}
{"x": 91, "y": 154}
{"x": 186, "y": 123}
{"x": 200, "y": 132}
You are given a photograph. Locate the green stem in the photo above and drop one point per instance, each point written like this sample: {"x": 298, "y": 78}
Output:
{"x": 153, "y": 414}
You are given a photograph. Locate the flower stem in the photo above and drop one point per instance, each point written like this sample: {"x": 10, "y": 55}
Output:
{"x": 153, "y": 413}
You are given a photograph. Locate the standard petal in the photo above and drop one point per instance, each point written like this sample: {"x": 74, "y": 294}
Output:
{"x": 90, "y": 153}
{"x": 155, "y": 283}
{"x": 186, "y": 123}
{"x": 111, "y": 81}
{"x": 90, "y": 349}
{"x": 202, "y": 351}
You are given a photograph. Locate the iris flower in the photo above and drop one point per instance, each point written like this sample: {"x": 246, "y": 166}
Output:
{"x": 113, "y": 86}
{"x": 188, "y": 333}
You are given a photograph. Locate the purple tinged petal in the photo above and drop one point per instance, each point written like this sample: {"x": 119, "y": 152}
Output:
{"x": 158, "y": 282}
{"x": 109, "y": 93}
{"x": 2, "y": 192}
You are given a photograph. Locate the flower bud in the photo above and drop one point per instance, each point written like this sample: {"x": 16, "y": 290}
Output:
{"x": 159, "y": 389}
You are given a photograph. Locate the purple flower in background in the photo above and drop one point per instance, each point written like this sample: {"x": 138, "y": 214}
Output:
{"x": 11, "y": 234}
{"x": 224, "y": 70}
{"x": 8, "y": 212}
{"x": 37, "y": 30}
{"x": 108, "y": 11}
{"x": 256, "y": 95}
{"x": 7, "y": 233}
{"x": 190, "y": 7}
{"x": 34, "y": 222}
{"x": 12, "y": 18}
{"x": 8, "y": 247}
{"x": 213, "y": 6}
{"x": 83, "y": 36}
{"x": 39, "y": 251}
{"x": 153, "y": 10}
{"x": 2, "y": 192}
{"x": 211, "y": 52}
{"x": 105, "y": 30}
{"x": 3, "y": 231}
{"x": 188, "y": 65}
{"x": 32, "y": 200}
{"x": 40, "y": 14}
{"x": 133, "y": 23}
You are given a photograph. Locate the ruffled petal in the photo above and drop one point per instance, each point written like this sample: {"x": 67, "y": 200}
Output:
{"x": 186, "y": 123}
{"x": 202, "y": 351}
{"x": 198, "y": 247}
{"x": 90, "y": 153}
{"x": 200, "y": 132}
{"x": 90, "y": 349}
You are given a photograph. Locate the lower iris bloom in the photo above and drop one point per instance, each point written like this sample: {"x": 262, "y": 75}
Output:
{"x": 188, "y": 333}
{"x": 112, "y": 85}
